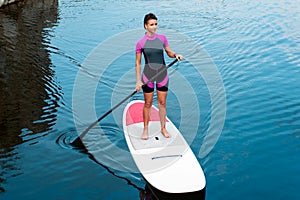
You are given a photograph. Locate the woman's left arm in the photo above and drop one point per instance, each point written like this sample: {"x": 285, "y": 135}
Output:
{"x": 172, "y": 54}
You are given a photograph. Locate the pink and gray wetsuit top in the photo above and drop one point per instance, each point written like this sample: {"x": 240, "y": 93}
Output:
{"x": 153, "y": 51}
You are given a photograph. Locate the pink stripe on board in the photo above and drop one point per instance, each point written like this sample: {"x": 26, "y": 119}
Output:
{"x": 134, "y": 114}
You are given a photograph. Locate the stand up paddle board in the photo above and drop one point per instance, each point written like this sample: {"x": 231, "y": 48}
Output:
{"x": 168, "y": 164}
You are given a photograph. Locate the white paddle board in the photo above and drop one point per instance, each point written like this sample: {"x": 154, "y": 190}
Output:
{"x": 168, "y": 164}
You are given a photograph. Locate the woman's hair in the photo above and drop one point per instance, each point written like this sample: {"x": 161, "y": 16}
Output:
{"x": 148, "y": 17}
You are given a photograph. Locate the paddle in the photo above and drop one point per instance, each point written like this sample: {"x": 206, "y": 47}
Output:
{"x": 77, "y": 141}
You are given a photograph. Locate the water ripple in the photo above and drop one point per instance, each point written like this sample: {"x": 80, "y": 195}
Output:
{"x": 65, "y": 139}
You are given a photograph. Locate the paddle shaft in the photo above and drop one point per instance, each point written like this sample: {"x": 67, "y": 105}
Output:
{"x": 78, "y": 139}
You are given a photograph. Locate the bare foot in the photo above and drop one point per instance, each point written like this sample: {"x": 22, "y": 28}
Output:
{"x": 145, "y": 134}
{"x": 165, "y": 133}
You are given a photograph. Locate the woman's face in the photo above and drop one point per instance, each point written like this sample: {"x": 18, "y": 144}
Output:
{"x": 151, "y": 26}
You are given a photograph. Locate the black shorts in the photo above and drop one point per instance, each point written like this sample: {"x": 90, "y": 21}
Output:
{"x": 148, "y": 89}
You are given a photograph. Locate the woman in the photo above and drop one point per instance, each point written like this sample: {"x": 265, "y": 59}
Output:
{"x": 152, "y": 46}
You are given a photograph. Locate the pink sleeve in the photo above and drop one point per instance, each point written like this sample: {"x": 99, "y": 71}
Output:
{"x": 138, "y": 47}
{"x": 164, "y": 40}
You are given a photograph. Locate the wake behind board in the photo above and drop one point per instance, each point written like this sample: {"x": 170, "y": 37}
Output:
{"x": 167, "y": 164}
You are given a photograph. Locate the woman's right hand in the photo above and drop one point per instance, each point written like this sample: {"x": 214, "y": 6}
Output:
{"x": 139, "y": 85}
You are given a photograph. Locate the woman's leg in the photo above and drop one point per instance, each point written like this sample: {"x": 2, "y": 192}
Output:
{"x": 161, "y": 98}
{"x": 148, "y": 97}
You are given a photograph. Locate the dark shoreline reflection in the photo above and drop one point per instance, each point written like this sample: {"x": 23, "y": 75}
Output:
{"x": 29, "y": 96}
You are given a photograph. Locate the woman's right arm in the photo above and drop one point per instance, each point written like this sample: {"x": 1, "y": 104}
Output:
{"x": 139, "y": 82}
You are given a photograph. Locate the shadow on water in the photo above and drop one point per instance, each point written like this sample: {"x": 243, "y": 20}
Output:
{"x": 65, "y": 140}
{"x": 29, "y": 95}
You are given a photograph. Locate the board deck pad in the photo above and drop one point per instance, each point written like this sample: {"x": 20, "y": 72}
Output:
{"x": 155, "y": 137}
{"x": 134, "y": 122}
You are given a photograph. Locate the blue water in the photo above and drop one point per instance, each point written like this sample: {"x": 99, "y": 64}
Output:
{"x": 254, "y": 45}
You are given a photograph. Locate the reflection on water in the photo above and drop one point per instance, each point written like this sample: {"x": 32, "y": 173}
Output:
{"x": 29, "y": 95}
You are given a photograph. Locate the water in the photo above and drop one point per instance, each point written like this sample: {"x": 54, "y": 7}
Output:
{"x": 254, "y": 45}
